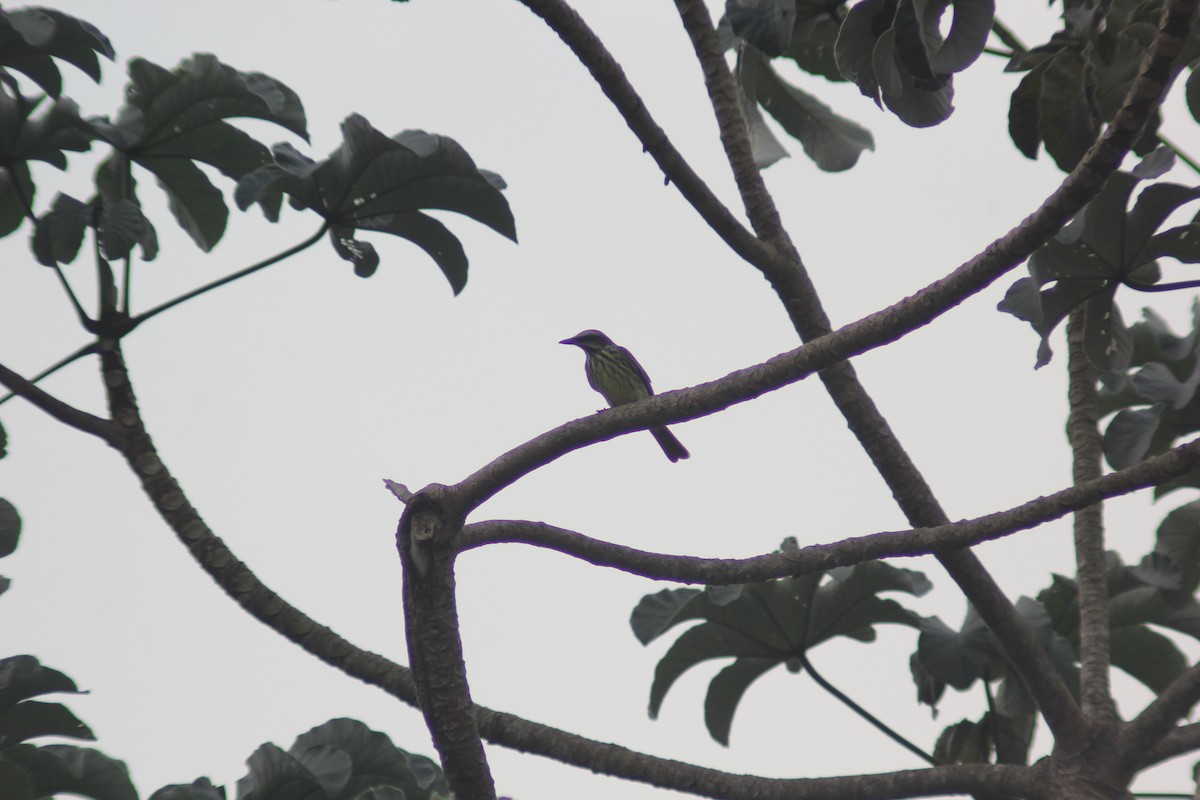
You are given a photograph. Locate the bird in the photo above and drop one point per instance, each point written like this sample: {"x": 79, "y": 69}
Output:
{"x": 614, "y": 372}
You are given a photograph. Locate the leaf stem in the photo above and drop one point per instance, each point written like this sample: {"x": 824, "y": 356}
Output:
{"x": 86, "y": 350}
{"x": 208, "y": 287}
{"x": 867, "y": 715}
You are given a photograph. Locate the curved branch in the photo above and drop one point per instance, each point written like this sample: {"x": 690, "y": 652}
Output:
{"x": 842, "y": 553}
{"x": 1091, "y": 562}
{"x": 501, "y": 728}
{"x": 64, "y": 413}
{"x": 590, "y": 51}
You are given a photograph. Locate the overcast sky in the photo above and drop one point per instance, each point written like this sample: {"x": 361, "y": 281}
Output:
{"x": 282, "y": 401}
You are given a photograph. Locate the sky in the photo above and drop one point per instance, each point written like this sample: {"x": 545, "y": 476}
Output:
{"x": 282, "y": 401}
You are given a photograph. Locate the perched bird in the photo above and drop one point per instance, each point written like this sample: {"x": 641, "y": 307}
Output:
{"x": 615, "y": 373}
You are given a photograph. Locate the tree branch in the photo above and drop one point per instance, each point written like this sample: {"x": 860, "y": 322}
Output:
{"x": 590, "y": 51}
{"x": 1091, "y": 565}
{"x": 1144, "y": 733}
{"x": 841, "y": 553}
{"x": 501, "y": 728}
{"x": 64, "y": 413}
{"x": 735, "y": 136}
{"x": 429, "y": 524}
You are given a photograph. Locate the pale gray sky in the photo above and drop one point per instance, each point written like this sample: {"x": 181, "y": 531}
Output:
{"x": 282, "y": 401}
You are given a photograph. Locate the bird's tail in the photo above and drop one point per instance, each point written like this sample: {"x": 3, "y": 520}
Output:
{"x": 669, "y": 444}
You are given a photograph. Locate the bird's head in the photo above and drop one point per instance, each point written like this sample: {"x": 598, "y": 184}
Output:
{"x": 589, "y": 340}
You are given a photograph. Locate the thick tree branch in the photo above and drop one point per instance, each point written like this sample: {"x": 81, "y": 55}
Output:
{"x": 1083, "y": 432}
{"x": 1145, "y": 732}
{"x": 590, "y": 51}
{"x": 502, "y": 728}
{"x": 215, "y": 558}
{"x": 64, "y": 413}
{"x": 844, "y": 552}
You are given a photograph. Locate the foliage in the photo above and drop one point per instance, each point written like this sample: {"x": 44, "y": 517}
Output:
{"x": 1107, "y": 246}
{"x": 764, "y": 625}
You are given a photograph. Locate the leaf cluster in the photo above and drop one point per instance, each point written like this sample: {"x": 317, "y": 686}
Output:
{"x": 1107, "y": 246}
{"x": 1076, "y": 81}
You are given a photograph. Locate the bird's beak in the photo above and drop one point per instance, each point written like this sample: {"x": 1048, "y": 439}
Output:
{"x": 569, "y": 341}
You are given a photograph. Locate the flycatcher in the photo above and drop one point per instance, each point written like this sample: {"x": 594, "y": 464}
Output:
{"x": 614, "y": 372}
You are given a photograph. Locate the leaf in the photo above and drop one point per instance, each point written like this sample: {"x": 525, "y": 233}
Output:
{"x": 1106, "y": 340}
{"x": 1147, "y": 656}
{"x": 31, "y": 39}
{"x": 1067, "y": 125}
{"x": 200, "y": 789}
{"x": 374, "y": 760}
{"x": 964, "y": 742}
{"x": 10, "y": 529}
{"x": 767, "y": 624}
{"x": 766, "y": 24}
{"x": 656, "y": 613}
{"x": 373, "y": 182}
{"x": 44, "y": 137}
{"x": 1127, "y": 438}
{"x": 1179, "y": 537}
{"x": 66, "y": 769}
{"x": 813, "y": 41}
{"x": 58, "y": 234}
{"x": 1025, "y": 115}
{"x": 174, "y": 119}
{"x": 31, "y": 719}
{"x": 725, "y": 692}
{"x": 832, "y": 142}
{"x": 122, "y": 225}
{"x": 16, "y": 195}
{"x": 968, "y": 35}
{"x": 1191, "y": 93}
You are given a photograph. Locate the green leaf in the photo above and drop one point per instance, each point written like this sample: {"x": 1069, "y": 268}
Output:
{"x": 122, "y": 225}
{"x": 16, "y": 194}
{"x": 15, "y": 781}
{"x": 31, "y": 719}
{"x": 767, "y": 624}
{"x": 813, "y": 40}
{"x": 968, "y": 35}
{"x": 1191, "y": 92}
{"x": 656, "y": 613}
{"x": 964, "y": 742}
{"x": 276, "y": 775}
{"x": 377, "y": 183}
{"x": 766, "y": 24}
{"x": 31, "y": 39}
{"x": 45, "y": 137}
{"x": 10, "y": 529}
{"x": 1067, "y": 124}
{"x": 1127, "y": 438}
{"x": 200, "y": 789}
{"x": 175, "y": 119}
{"x": 1147, "y": 656}
{"x": 832, "y": 142}
{"x": 66, "y": 769}
{"x": 58, "y": 234}
{"x": 22, "y": 677}
{"x": 1179, "y": 537}
{"x": 374, "y": 760}
{"x": 725, "y": 692}
{"x": 1025, "y": 115}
